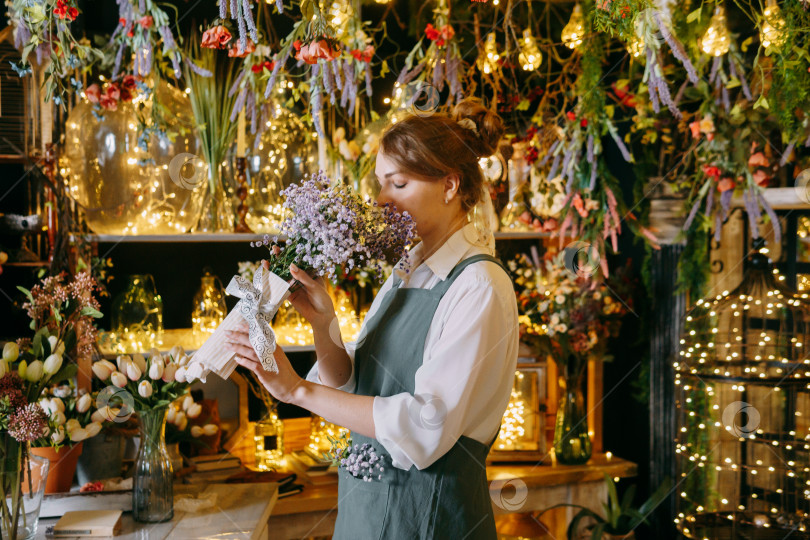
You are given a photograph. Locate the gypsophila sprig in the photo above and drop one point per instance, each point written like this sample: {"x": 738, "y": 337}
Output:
{"x": 360, "y": 460}
{"x": 330, "y": 226}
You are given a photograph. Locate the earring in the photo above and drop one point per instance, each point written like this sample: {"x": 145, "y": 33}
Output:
{"x": 447, "y": 201}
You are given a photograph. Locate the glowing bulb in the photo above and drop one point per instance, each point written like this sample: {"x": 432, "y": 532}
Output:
{"x": 635, "y": 46}
{"x": 530, "y": 56}
{"x": 573, "y": 31}
{"x": 488, "y": 62}
{"x": 716, "y": 40}
{"x": 773, "y": 25}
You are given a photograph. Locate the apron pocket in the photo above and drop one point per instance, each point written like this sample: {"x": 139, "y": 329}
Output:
{"x": 362, "y": 508}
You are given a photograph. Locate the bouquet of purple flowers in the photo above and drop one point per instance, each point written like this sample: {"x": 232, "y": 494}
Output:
{"x": 330, "y": 226}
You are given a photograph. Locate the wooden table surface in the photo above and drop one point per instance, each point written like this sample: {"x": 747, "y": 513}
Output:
{"x": 240, "y": 511}
{"x": 320, "y": 498}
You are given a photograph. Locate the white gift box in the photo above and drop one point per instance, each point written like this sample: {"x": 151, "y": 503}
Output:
{"x": 259, "y": 302}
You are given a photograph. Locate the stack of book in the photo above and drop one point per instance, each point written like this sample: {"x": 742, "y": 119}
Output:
{"x": 312, "y": 468}
{"x": 214, "y": 468}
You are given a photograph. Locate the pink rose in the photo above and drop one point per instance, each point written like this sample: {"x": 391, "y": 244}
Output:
{"x": 146, "y": 21}
{"x": 109, "y": 103}
{"x": 92, "y": 93}
{"x": 758, "y": 160}
{"x": 113, "y": 92}
{"x": 233, "y": 52}
{"x": 216, "y": 37}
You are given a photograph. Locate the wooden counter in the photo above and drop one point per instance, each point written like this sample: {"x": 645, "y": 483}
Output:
{"x": 513, "y": 488}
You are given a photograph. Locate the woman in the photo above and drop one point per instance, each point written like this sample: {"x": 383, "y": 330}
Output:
{"x": 430, "y": 376}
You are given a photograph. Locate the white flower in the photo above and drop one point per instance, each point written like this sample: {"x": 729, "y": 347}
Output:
{"x": 168, "y": 372}
{"x": 101, "y": 415}
{"x": 34, "y": 371}
{"x": 180, "y": 374}
{"x": 118, "y": 379}
{"x": 210, "y": 429}
{"x": 57, "y": 404}
{"x": 145, "y": 389}
{"x": 72, "y": 425}
{"x": 188, "y": 401}
{"x": 183, "y": 360}
{"x": 156, "y": 368}
{"x": 176, "y": 351}
{"x": 194, "y": 410}
{"x": 58, "y": 349}
{"x": 560, "y": 299}
{"x": 170, "y": 414}
{"x": 196, "y": 431}
{"x": 180, "y": 418}
{"x": 93, "y": 429}
{"x": 63, "y": 391}
{"x": 83, "y": 403}
{"x": 560, "y": 328}
{"x": 182, "y": 424}
{"x": 133, "y": 372}
{"x": 58, "y": 436}
{"x": 52, "y": 364}
{"x": 139, "y": 361}
{"x": 58, "y": 418}
{"x": 78, "y": 434}
{"x": 122, "y": 361}
{"x": 11, "y": 352}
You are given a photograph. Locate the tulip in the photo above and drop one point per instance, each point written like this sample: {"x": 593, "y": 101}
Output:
{"x": 180, "y": 374}
{"x": 210, "y": 429}
{"x": 176, "y": 351}
{"x": 102, "y": 371}
{"x": 60, "y": 349}
{"x": 145, "y": 389}
{"x": 156, "y": 369}
{"x": 170, "y": 414}
{"x": 93, "y": 429}
{"x": 58, "y": 436}
{"x": 122, "y": 361}
{"x": 83, "y": 403}
{"x": 180, "y": 419}
{"x": 183, "y": 360}
{"x": 168, "y": 372}
{"x": 52, "y": 364}
{"x": 78, "y": 434}
{"x": 196, "y": 431}
{"x": 194, "y": 410}
{"x": 188, "y": 401}
{"x": 139, "y": 361}
{"x": 133, "y": 372}
{"x": 11, "y": 352}
{"x": 58, "y": 418}
{"x": 57, "y": 405}
{"x": 182, "y": 425}
{"x": 101, "y": 415}
{"x": 35, "y": 371}
{"x": 72, "y": 425}
{"x": 22, "y": 367}
{"x": 118, "y": 379}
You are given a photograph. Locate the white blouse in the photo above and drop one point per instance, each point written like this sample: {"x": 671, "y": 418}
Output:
{"x": 468, "y": 369}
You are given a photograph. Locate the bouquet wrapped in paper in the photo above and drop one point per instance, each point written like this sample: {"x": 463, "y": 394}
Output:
{"x": 328, "y": 227}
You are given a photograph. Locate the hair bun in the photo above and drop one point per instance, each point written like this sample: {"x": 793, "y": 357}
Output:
{"x": 488, "y": 124}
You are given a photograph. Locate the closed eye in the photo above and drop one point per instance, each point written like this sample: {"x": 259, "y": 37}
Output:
{"x": 400, "y": 186}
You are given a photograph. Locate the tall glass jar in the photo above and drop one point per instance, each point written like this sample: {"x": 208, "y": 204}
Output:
{"x": 22, "y": 496}
{"x": 268, "y": 437}
{"x": 137, "y": 316}
{"x": 572, "y": 443}
{"x": 153, "y": 492}
{"x": 217, "y": 214}
{"x": 209, "y": 308}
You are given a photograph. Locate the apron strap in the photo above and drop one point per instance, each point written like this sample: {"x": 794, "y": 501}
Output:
{"x": 442, "y": 286}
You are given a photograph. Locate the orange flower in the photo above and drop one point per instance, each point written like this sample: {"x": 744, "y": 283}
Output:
{"x": 695, "y": 128}
{"x": 431, "y": 32}
{"x": 726, "y": 184}
{"x": 365, "y": 55}
{"x": 216, "y": 38}
{"x": 448, "y": 32}
{"x": 758, "y": 159}
{"x": 233, "y": 52}
{"x": 146, "y": 21}
{"x": 761, "y": 178}
{"x": 320, "y": 49}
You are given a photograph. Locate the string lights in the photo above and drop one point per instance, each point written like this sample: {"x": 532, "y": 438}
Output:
{"x": 716, "y": 39}
{"x": 573, "y": 31}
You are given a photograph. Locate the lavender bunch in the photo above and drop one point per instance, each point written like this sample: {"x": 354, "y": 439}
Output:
{"x": 241, "y": 12}
{"x": 359, "y": 460}
{"x": 330, "y": 226}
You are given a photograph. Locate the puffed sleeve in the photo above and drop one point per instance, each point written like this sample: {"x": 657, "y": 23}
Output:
{"x": 465, "y": 375}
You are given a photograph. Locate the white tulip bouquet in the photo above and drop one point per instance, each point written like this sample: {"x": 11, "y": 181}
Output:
{"x": 71, "y": 417}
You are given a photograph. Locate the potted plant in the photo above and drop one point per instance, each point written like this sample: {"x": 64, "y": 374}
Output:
{"x": 620, "y": 519}
{"x": 70, "y": 422}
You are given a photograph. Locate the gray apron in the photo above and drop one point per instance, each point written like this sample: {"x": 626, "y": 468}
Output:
{"x": 450, "y": 498}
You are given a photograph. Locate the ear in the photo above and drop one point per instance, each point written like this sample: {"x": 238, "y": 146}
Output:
{"x": 451, "y": 187}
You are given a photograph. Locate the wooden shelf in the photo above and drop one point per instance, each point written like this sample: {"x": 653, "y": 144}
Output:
{"x": 240, "y": 237}
{"x": 37, "y": 264}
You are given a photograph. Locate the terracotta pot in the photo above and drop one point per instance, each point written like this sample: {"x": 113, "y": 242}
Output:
{"x": 62, "y": 466}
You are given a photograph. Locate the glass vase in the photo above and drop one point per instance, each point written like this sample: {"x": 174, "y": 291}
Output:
{"x": 137, "y": 316}
{"x": 209, "y": 308}
{"x": 152, "y": 492}
{"x": 217, "y": 214}
{"x": 22, "y": 481}
{"x": 268, "y": 436}
{"x": 572, "y": 444}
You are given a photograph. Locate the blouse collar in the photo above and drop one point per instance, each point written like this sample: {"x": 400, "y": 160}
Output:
{"x": 442, "y": 262}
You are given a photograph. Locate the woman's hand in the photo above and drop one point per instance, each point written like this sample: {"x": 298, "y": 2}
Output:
{"x": 312, "y": 300}
{"x": 282, "y": 384}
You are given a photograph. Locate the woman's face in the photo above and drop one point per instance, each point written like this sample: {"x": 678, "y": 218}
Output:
{"x": 422, "y": 199}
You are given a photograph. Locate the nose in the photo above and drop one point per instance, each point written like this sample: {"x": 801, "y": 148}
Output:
{"x": 383, "y": 198}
